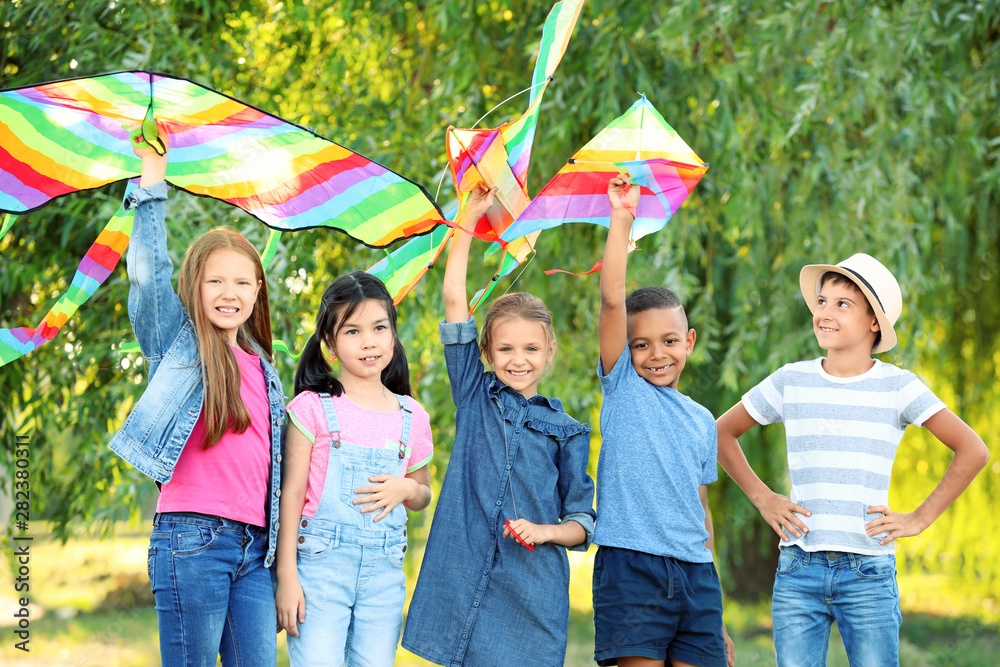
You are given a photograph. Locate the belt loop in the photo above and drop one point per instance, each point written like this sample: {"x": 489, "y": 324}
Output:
{"x": 855, "y": 560}
{"x": 156, "y": 520}
{"x": 806, "y": 555}
{"x": 670, "y": 575}
{"x": 336, "y": 536}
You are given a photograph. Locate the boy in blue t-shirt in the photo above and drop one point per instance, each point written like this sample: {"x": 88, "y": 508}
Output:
{"x": 844, "y": 417}
{"x": 656, "y": 592}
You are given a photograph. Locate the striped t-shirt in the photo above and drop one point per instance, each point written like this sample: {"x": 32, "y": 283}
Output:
{"x": 841, "y": 435}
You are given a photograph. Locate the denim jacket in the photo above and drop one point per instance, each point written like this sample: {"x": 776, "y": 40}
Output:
{"x": 162, "y": 420}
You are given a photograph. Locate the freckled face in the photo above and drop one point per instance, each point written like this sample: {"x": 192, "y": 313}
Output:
{"x": 228, "y": 290}
{"x": 659, "y": 341}
{"x": 519, "y": 352}
{"x": 841, "y": 320}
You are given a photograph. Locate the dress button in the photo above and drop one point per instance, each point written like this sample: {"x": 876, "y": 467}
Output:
{"x": 336, "y": 444}
{"x": 277, "y": 493}
{"x": 508, "y": 466}
{"x": 304, "y": 523}
{"x": 404, "y": 548}
{"x": 465, "y": 636}
{"x": 499, "y": 502}
{"x": 476, "y": 603}
{"x": 277, "y": 458}
{"x": 302, "y": 540}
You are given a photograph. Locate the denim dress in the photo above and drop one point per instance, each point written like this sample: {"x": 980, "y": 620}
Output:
{"x": 482, "y": 599}
{"x": 350, "y": 567}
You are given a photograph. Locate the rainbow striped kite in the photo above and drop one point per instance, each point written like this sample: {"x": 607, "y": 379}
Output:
{"x": 499, "y": 157}
{"x": 67, "y": 136}
{"x": 638, "y": 142}
{"x": 96, "y": 266}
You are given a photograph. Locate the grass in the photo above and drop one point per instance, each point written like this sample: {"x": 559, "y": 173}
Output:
{"x": 91, "y": 606}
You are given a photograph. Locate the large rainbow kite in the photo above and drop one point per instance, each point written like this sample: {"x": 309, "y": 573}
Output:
{"x": 499, "y": 157}
{"x": 68, "y": 136}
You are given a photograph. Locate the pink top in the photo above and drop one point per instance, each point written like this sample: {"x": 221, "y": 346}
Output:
{"x": 230, "y": 478}
{"x": 358, "y": 426}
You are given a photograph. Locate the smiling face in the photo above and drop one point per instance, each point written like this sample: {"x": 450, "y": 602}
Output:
{"x": 843, "y": 320}
{"x": 659, "y": 341}
{"x": 364, "y": 341}
{"x": 519, "y": 350}
{"x": 228, "y": 289}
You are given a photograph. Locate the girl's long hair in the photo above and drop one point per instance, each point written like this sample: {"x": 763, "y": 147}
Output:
{"x": 223, "y": 409}
{"x": 340, "y": 300}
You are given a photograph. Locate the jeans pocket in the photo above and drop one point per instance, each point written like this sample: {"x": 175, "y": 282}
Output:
{"x": 788, "y": 562}
{"x": 149, "y": 563}
{"x": 877, "y": 567}
{"x": 397, "y": 552}
{"x": 191, "y": 539}
{"x": 313, "y": 546}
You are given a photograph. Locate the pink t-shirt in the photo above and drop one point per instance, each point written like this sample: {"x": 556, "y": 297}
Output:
{"x": 358, "y": 426}
{"x": 230, "y": 478}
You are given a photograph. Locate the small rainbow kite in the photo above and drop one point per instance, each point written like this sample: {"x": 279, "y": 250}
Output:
{"x": 499, "y": 157}
{"x": 639, "y": 142}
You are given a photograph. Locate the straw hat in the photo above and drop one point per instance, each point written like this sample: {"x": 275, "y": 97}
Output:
{"x": 874, "y": 280}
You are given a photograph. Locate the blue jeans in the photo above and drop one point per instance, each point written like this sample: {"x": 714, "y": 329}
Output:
{"x": 355, "y": 589}
{"x": 213, "y": 593}
{"x": 812, "y": 590}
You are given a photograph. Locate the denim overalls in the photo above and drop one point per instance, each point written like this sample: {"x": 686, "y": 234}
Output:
{"x": 350, "y": 567}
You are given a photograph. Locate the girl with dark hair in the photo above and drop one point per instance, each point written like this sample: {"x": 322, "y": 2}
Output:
{"x": 207, "y": 428}
{"x": 356, "y": 455}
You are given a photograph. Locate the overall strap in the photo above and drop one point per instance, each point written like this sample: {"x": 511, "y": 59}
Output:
{"x": 331, "y": 418}
{"x": 404, "y": 438}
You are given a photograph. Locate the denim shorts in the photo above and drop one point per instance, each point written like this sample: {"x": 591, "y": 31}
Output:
{"x": 656, "y": 607}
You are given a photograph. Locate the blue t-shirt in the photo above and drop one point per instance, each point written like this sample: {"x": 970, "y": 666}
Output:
{"x": 658, "y": 446}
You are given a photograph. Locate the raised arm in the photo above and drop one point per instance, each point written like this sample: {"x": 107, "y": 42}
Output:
{"x": 778, "y": 510}
{"x": 154, "y": 308}
{"x": 613, "y": 322}
{"x": 456, "y": 301}
{"x": 971, "y": 456}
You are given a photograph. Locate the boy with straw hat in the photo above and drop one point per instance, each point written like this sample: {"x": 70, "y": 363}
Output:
{"x": 844, "y": 417}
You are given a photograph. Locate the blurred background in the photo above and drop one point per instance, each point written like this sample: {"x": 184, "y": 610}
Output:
{"x": 830, "y": 128}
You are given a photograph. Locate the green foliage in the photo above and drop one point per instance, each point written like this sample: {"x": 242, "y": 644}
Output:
{"x": 830, "y": 128}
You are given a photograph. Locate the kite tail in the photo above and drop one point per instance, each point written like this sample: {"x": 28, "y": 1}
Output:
{"x": 100, "y": 260}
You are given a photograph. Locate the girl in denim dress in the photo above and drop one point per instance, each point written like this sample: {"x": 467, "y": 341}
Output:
{"x": 208, "y": 430}
{"x": 494, "y": 580}
{"x": 356, "y": 456}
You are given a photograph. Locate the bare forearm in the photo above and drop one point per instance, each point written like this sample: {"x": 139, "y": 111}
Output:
{"x": 961, "y": 471}
{"x": 289, "y": 514}
{"x": 615, "y": 260}
{"x": 420, "y": 499}
{"x": 154, "y": 170}
{"x": 568, "y": 533}
{"x": 456, "y": 302}
{"x": 734, "y": 462}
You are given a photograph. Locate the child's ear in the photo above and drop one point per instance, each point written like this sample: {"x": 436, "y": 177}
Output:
{"x": 689, "y": 346}
{"x": 875, "y": 325}
{"x": 553, "y": 347}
